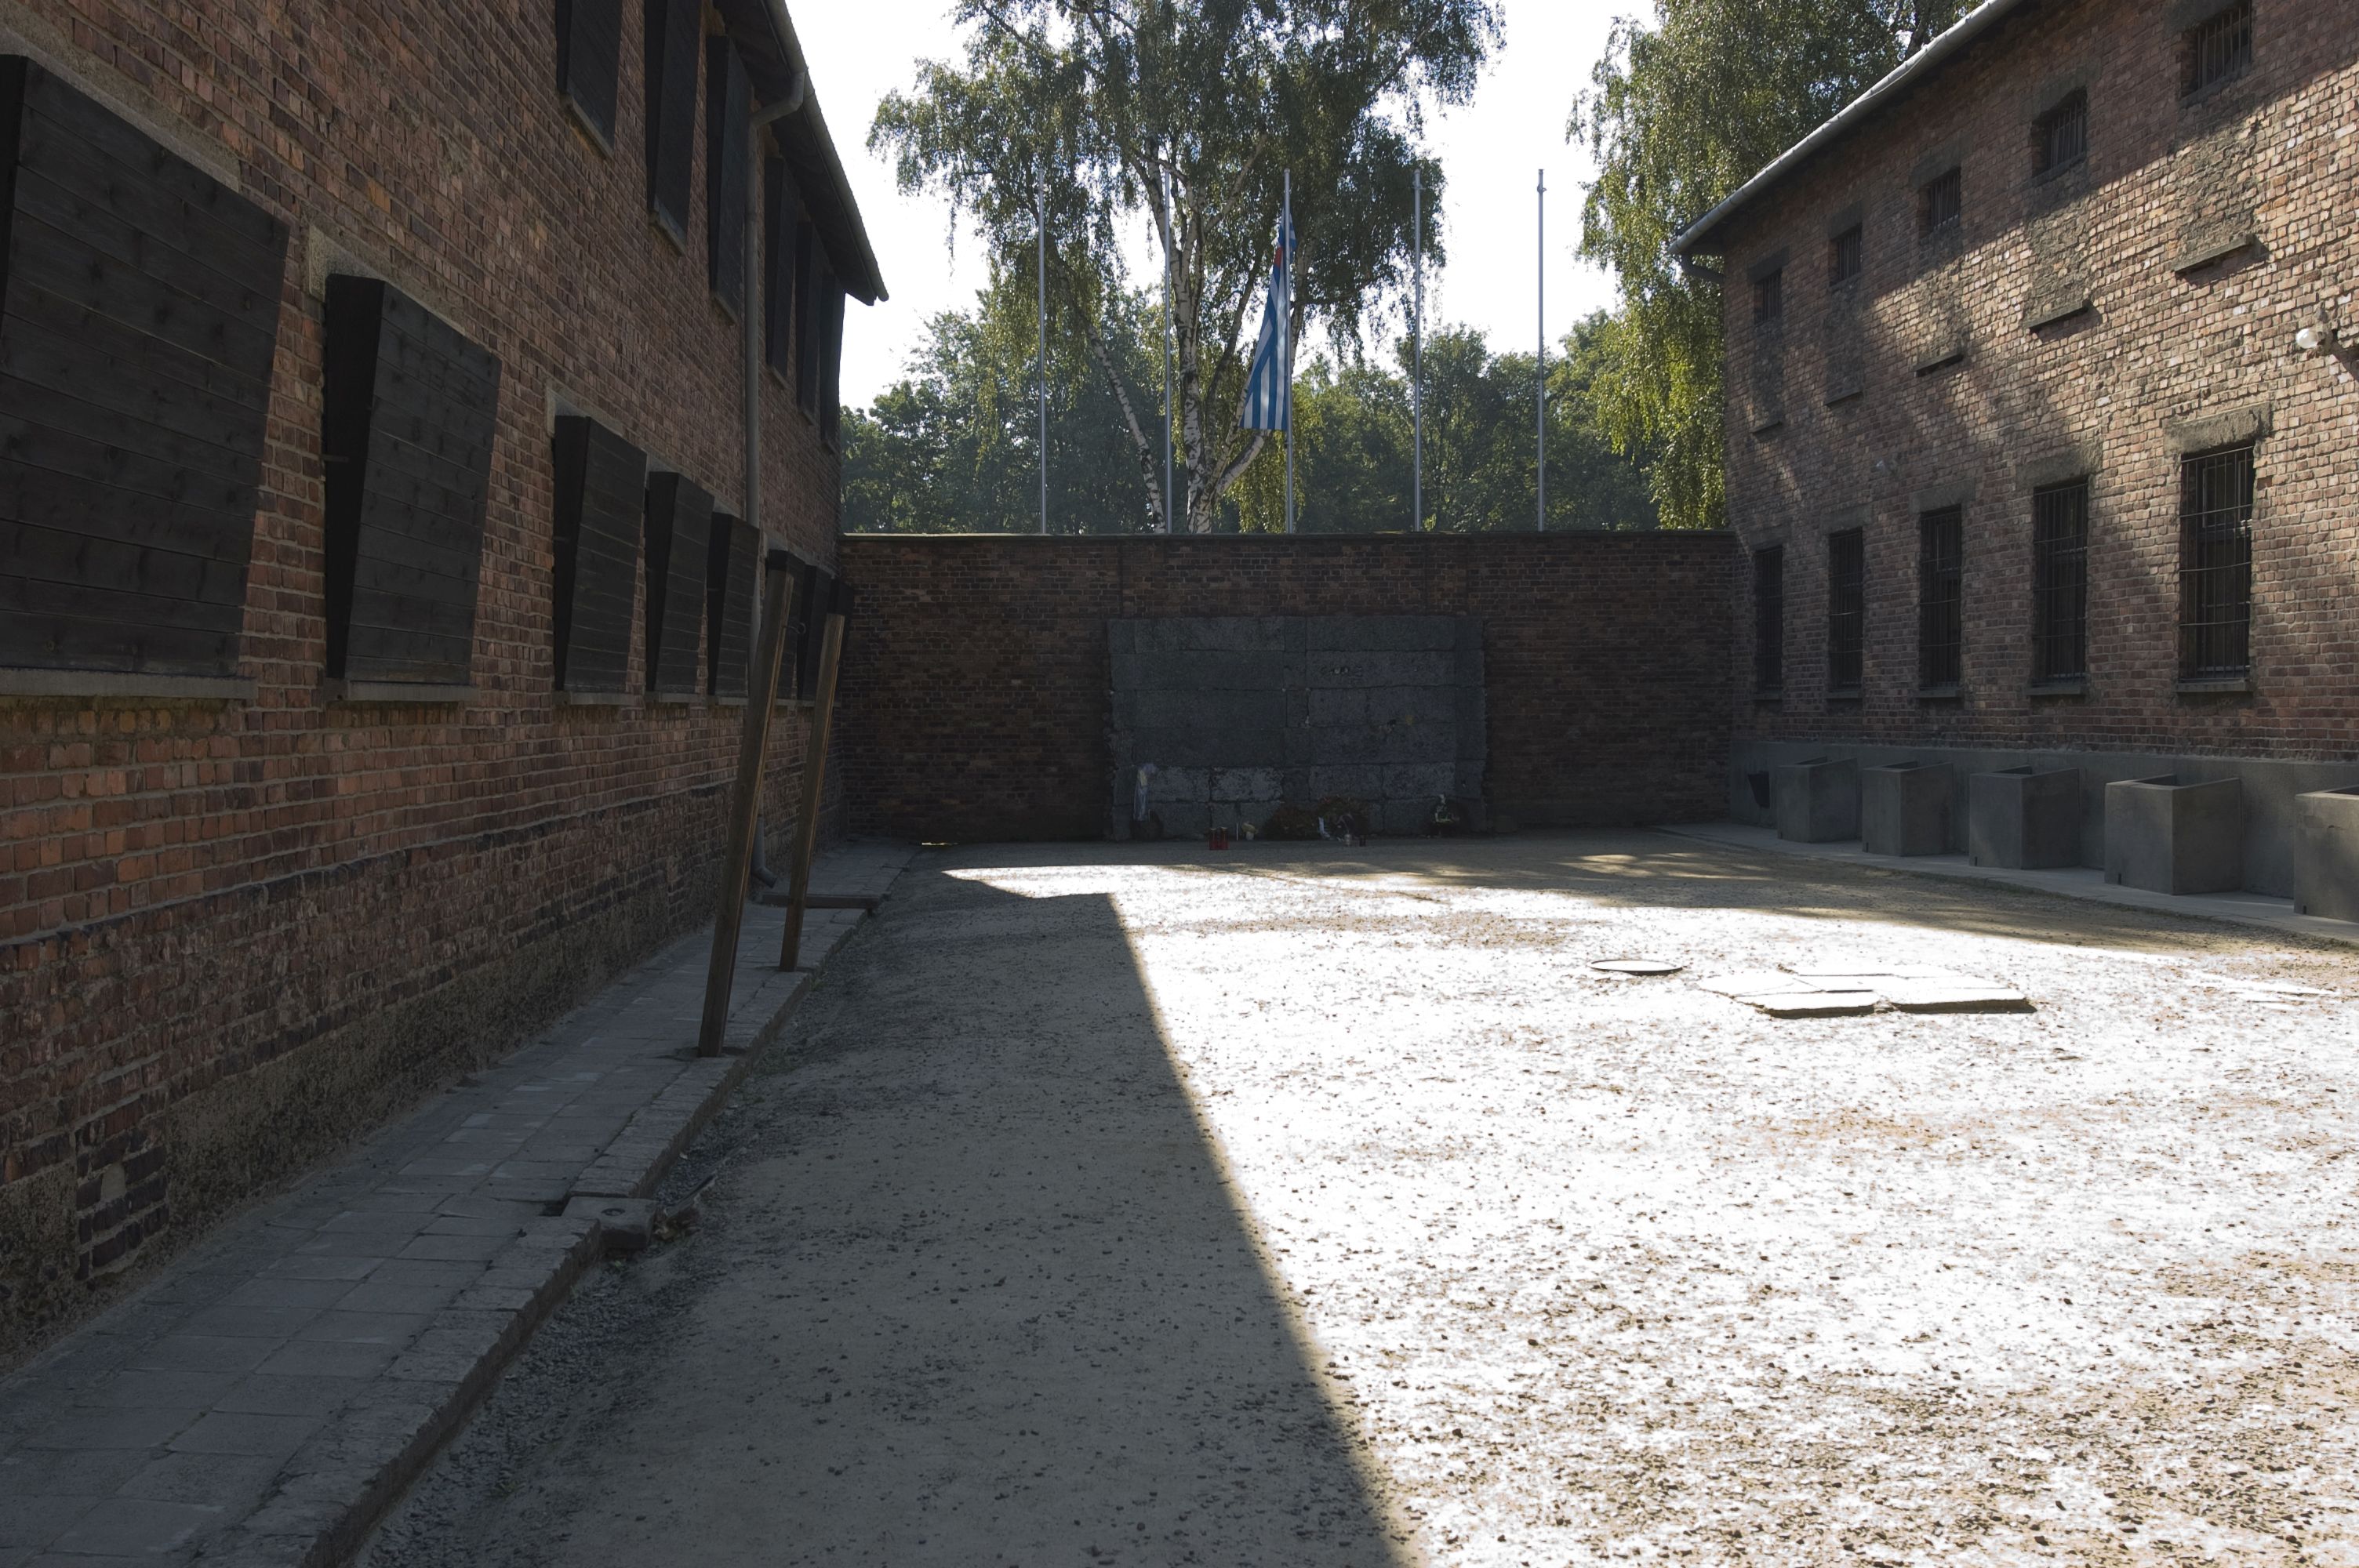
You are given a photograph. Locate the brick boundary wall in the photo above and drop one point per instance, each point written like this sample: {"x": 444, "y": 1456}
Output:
{"x": 237, "y": 933}
{"x": 975, "y": 689}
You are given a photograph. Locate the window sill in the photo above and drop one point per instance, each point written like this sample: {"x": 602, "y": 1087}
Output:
{"x": 2055, "y": 311}
{"x": 601, "y": 140}
{"x": 597, "y": 698}
{"x": 124, "y": 682}
{"x": 2215, "y": 685}
{"x": 724, "y": 702}
{"x": 1950, "y": 693}
{"x": 363, "y": 692}
{"x": 1771, "y": 426}
{"x": 1848, "y": 696}
{"x": 2211, "y": 253}
{"x": 1775, "y": 698}
{"x": 2062, "y": 686}
{"x": 672, "y": 699}
{"x": 1840, "y": 395}
{"x": 1941, "y": 359}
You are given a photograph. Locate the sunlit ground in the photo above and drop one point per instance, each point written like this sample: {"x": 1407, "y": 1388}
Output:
{"x": 1608, "y": 1269}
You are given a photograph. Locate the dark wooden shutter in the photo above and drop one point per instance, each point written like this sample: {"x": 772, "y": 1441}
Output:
{"x": 679, "y": 524}
{"x": 601, "y": 480}
{"x": 139, "y": 301}
{"x": 830, "y": 348}
{"x": 819, "y": 600}
{"x": 674, "y": 28}
{"x": 732, "y": 562}
{"x": 727, "y": 94}
{"x": 799, "y": 599}
{"x": 807, "y": 269}
{"x": 589, "y": 55}
{"x": 406, "y": 412}
{"x": 781, "y": 213}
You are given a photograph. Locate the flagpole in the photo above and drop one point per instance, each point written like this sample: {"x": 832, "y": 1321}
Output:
{"x": 1285, "y": 251}
{"x": 1167, "y": 367}
{"x": 1417, "y": 358}
{"x": 1540, "y": 391}
{"x": 1040, "y": 216}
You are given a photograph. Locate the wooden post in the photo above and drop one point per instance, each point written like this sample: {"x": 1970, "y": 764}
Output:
{"x": 745, "y": 808}
{"x": 814, "y": 778}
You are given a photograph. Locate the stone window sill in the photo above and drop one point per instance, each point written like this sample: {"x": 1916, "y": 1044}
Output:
{"x": 597, "y": 698}
{"x": 124, "y": 682}
{"x": 2215, "y": 685}
{"x": 2062, "y": 686}
{"x": 360, "y": 691}
{"x": 1938, "y": 693}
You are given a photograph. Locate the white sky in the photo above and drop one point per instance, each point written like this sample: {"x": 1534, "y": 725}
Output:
{"x": 1490, "y": 151}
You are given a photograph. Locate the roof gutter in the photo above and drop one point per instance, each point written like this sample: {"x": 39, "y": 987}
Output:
{"x": 1697, "y": 236}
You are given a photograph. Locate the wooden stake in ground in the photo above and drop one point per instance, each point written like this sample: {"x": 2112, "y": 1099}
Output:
{"x": 814, "y": 778}
{"x": 744, "y": 807}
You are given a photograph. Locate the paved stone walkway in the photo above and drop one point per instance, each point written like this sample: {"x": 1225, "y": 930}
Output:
{"x": 266, "y": 1397}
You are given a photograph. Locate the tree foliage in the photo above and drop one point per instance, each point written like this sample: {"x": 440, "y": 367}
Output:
{"x": 1679, "y": 114}
{"x": 1181, "y": 116}
{"x": 954, "y": 446}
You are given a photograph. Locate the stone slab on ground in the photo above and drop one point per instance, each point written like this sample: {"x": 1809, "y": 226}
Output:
{"x": 271, "y": 1392}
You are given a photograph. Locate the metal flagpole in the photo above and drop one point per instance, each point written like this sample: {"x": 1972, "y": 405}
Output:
{"x": 1417, "y": 358}
{"x": 1166, "y": 369}
{"x": 1285, "y": 252}
{"x": 1041, "y": 220}
{"x": 1540, "y": 391}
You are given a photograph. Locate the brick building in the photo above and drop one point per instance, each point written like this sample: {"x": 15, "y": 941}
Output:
{"x": 2042, "y": 430}
{"x": 399, "y": 400}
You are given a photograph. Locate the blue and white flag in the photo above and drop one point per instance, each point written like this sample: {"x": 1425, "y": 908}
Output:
{"x": 1269, "y": 388}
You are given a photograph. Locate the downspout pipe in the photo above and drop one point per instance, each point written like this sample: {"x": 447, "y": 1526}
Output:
{"x": 750, "y": 317}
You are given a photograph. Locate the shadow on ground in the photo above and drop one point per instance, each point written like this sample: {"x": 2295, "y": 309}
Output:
{"x": 971, "y": 1288}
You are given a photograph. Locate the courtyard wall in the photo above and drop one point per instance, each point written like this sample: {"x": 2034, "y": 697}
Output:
{"x": 975, "y": 696}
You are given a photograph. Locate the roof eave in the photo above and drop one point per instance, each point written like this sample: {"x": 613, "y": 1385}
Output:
{"x": 1696, "y": 238}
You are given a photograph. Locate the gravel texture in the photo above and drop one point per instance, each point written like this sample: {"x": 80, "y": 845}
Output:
{"x": 1305, "y": 1204}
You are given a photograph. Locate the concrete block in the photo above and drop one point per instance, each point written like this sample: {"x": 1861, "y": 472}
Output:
{"x": 1903, "y": 808}
{"x": 1817, "y": 800}
{"x": 2326, "y": 859}
{"x": 2024, "y": 818}
{"x": 627, "y": 1225}
{"x": 2171, "y": 837}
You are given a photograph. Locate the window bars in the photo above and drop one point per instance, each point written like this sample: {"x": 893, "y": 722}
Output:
{"x": 1846, "y": 610}
{"x": 2216, "y": 564}
{"x": 1769, "y": 620}
{"x": 1769, "y": 295}
{"x": 1940, "y": 599}
{"x": 1939, "y": 203}
{"x": 2063, "y": 134}
{"x": 2060, "y": 581}
{"x": 2219, "y": 49}
{"x": 1846, "y": 256}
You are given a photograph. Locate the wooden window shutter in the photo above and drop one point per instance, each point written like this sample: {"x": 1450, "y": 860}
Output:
{"x": 727, "y": 97}
{"x": 680, "y": 525}
{"x": 819, "y": 603}
{"x": 674, "y": 29}
{"x": 140, "y": 303}
{"x": 406, "y": 412}
{"x": 588, "y": 57}
{"x": 733, "y": 564}
{"x": 601, "y": 481}
{"x": 831, "y": 419}
{"x": 781, "y": 214}
{"x": 807, "y": 269}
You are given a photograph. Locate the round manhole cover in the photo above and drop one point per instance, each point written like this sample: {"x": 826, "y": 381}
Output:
{"x": 1636, "y": 967}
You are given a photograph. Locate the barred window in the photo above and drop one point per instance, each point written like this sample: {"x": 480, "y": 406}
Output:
{"x": 2216, "y": 563}
{"x": 1846, "y": 610}
{"x": 1769, "y": 620}
{"x": 2061, "y": 137}
{"x": 1769, "y": 295}
{"x": 1941, "y": 202}
{"x": 2217, "y": 50}
{"x": 1940, "y": 597}
{"x": 1846, "y": 256}
{"x": 2060, "y": 581}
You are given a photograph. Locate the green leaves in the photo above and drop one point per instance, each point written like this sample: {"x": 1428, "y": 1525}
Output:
{"x": 1181, "y": 120}
{"x": 1679, "y": 116}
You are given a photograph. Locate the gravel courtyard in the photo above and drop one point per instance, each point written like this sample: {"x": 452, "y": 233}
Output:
{"x": 1110, "y": 1203}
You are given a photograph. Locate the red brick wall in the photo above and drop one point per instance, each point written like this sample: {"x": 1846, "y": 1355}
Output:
{"x": 974, "y": 689}
{"x": 233, "y": 934}
{"x": 2273, "y": 153}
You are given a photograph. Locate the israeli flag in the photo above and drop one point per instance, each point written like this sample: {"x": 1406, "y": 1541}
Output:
{"x": 1269, "y": 391}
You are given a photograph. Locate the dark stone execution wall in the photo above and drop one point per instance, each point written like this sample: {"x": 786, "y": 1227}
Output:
{"x": 1241, "y": 714}
{"x": 977, "y": 700}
